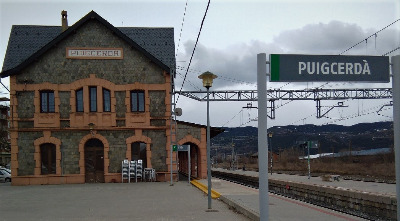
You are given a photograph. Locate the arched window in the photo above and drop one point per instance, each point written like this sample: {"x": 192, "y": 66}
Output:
{"x": 138, "y": 152}
{"x": 48, "y": 158}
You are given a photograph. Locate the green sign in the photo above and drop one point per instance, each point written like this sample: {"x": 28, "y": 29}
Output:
{"x": 174, "y": 147}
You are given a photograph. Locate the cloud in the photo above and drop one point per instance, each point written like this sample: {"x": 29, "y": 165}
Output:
{"x": 336, "y": 37}
{"x": 236, "y": 69}
{"x": 236, "y": 65}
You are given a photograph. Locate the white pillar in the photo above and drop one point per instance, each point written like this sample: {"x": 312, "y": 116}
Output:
{"x": 262, "y": 136}
{"x": 396, "y": 123}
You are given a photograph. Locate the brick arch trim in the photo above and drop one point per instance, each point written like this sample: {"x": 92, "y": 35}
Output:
{"x": 189, "y": 139}
{"x": 37, "y": 155}
{"x": 92, "y": 80}
{"x": 82, "y": 151}
{"x": 139, "y": 138}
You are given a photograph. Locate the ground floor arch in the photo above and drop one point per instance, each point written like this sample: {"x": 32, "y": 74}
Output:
{"x": 194, "y": 161}
{"x": 94, "y": 161}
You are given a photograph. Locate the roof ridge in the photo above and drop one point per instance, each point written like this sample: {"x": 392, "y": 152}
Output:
{"x": 62, "y": 35}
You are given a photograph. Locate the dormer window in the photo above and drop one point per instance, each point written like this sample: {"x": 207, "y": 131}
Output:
{"x": 47, "y": 104}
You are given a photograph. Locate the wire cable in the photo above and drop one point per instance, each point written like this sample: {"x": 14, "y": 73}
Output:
{"x": 180, "y": 34}
{"x": 194, "y": 49}
{"x": 389, "y": 52}
{"x": 366, "y": 39}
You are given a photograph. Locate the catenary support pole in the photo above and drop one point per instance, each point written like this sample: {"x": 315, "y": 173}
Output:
{"x": 262, "y": 135}
{"x": 396, "y": 123}
{"x": 308, "y": 154}
{"x": 189, "y": 165}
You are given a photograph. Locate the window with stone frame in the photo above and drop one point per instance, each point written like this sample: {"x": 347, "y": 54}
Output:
{"x": 47, "y": 104}
{"x": 106, "y": 100}
{"x": 137, "y": 101}
{"x": 79, "y": 100}
{"x": 93, "y": 99}
{"x": 48, "y": 158}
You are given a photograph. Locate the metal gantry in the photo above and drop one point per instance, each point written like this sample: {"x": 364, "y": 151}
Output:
{"x": 315, "y": 94}
{"x": 306, "y": 94}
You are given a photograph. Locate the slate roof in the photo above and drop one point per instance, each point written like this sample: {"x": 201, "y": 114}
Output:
{"x": 27, "y": 42}
{"x": 214, "y": 131}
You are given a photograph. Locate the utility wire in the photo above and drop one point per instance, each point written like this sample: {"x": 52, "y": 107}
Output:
{"x": 232, "y": 118}
{"x": 194, "y": 49}
{"x": 389, "y": 52}
{"x": 366, "y": 39}
{"x": 180, "y": 34}
{"x": 196, "y": 87}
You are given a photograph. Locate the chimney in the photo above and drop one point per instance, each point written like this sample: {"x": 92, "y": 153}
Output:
{"x": 64, "y": 21}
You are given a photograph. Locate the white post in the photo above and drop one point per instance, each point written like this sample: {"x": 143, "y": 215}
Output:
{"x": 396, "y": 124}
{"x": 262, "y": 135}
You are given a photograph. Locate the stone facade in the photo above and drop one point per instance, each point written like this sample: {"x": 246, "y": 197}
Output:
{"x": 76, "y": 135}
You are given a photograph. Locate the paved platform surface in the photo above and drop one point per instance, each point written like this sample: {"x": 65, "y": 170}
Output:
{"x": 110, "y": 201}
{"x": 280, "y": 208}
{"x": 373, "y": 187}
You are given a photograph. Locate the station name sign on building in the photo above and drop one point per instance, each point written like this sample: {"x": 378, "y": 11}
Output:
{"x": 94, "y": 53}
{"x": 310, "y": 68}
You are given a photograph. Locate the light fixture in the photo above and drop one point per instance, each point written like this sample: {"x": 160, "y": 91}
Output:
{"x": 207, "y": 78}
{"x": 91, "y": 127}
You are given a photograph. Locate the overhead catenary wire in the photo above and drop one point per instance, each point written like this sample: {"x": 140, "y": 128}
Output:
{"x": 180, "y": 33}
{"x": 194, "y": 49}
{"x": 366, "y": 39}
{"x": 391, "y": 51}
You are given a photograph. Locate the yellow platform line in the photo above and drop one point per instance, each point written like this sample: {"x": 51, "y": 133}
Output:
{"x": 202, "y": 187}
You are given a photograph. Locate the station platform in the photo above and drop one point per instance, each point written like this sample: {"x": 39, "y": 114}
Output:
{"x": 371, "y": 187}
{"x": 246, "y": 199}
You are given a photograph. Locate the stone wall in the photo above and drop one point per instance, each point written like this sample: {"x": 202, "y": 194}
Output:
{"x": 184, "y": 130}
{"x": 70, "y": 149}
{"x": 158, "y": 151}
{"x": 26, "y": 150}
{"x": 65, "y": 107}
{"x": 26, "y": 108}
{"x": 117, "y": 152}
{"x": 120, "y": 106}
{"x": 157, "y": 103}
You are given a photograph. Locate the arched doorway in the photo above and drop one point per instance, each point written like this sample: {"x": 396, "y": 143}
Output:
{"x": 194, "y": 161}
{"x": 94, "y": 161}
{"x": 138, "y": 152}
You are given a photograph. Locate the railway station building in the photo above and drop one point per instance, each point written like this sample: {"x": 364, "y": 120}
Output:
{"x": 85, "y": 97}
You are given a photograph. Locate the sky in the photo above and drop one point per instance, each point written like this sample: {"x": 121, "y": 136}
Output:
{"x": 233, "y": 33}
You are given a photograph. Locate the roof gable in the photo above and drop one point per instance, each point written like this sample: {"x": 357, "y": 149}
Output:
{"x": 27, "y": 43}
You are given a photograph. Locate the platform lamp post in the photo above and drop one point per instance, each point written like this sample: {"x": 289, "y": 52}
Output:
{"x": 208, "y": 78}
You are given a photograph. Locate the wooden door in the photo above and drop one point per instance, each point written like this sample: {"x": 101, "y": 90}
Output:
{"x": 94, "y": 164}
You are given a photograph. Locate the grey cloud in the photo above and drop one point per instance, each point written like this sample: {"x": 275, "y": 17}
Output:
{"x": 334, "y": 38}
{"x": 239, "y": 61}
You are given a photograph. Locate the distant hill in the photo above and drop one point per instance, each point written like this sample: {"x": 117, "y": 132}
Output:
{"x": 331, "y": 138}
